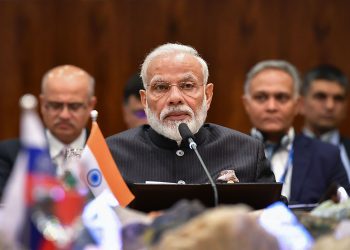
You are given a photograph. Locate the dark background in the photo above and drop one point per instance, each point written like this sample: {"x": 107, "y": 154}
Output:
{"x": 109, "y": 39}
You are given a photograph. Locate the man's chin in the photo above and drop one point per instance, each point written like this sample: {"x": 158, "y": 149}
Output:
{"x": 174, "y": 122}
{"x": 325, "y": 127}
{"x": 272, "y": 129}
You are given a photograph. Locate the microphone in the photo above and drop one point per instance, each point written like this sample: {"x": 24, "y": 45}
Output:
{"x": 186, "y": 134}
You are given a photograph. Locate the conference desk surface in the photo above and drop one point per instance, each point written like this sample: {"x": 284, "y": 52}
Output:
{"x": 153, "y": 197}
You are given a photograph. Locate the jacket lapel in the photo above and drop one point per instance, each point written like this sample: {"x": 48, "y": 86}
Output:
{"x": 301, "y": 165}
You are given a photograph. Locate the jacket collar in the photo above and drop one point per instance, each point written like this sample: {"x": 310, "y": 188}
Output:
{"x": 166, "y": 143}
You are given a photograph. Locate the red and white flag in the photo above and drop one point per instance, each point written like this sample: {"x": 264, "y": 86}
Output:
{"x": 100, "y": 170}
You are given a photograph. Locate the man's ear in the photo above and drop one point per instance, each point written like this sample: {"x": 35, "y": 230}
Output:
{"x": 143, "y": 97}
{"x": 41, "y": 101}
{"x": 93, "y": 102}
{"x": 209, "y": 91}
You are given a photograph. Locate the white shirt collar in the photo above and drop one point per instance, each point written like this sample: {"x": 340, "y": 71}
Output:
{"x": 332, "y": 136}
{"x": 56, "y": 146}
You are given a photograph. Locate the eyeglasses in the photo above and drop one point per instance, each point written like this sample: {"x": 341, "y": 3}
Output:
{"x": 73, "y": 107}
{"x": 160, "y": 89}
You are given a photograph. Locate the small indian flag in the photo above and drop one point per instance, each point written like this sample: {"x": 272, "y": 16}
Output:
{"x": 100, "y": 170}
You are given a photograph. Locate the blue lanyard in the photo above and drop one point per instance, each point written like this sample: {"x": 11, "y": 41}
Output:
{"x": 288, "y": 165}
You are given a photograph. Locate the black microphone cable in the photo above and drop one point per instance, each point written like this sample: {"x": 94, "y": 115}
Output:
{"x": 186, "y": 134}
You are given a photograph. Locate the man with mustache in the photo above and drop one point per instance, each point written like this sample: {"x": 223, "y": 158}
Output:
{"x": 66, "y": 100}
{"x": 177, "y": 91}
{"x": 306, "y": 167}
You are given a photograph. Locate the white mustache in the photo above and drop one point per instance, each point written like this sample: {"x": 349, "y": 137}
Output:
{"x": 183, "y": 108}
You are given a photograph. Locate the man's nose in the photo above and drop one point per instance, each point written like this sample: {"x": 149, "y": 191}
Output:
{"x": 271, "y": 104}
{"x": 175, "y": 95}
{"x": 330, "y": 103}
{"x": 65, "y": 113}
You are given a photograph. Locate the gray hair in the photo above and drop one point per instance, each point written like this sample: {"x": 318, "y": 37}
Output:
{"x": 169, "y": 48}
{"x": 72, "y": 70}
{"x": 274, "y": 64}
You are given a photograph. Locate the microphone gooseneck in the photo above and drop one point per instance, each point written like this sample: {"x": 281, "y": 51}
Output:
{"x": 186, "y": 134}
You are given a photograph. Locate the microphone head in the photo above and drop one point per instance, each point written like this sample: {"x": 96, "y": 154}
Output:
{"x": 185, "y": 132}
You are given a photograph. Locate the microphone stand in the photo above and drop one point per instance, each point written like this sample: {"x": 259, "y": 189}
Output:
{"x": 193, "y": 146}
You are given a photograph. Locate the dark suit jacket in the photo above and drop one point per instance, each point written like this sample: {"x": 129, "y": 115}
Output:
{"x": 8, "y": 153}
{"x": 316, "y": 165}
{"x": 346, "y": 143}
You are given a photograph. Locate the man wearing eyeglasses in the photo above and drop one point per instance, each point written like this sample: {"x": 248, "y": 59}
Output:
{"x": 307, "y": 168}
{"x": 177, "y": 91}
{"x": 66, "y": 99}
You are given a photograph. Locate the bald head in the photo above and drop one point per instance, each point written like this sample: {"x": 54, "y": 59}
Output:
{"x": 68, "y": 73}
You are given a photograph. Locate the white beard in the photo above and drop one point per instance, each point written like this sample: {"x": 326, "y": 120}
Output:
{"x": 169, "y": 129}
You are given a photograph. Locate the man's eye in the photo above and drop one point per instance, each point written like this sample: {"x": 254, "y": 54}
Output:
{"x": 282, "y": 98}
{"x": 260, "y": 98}
{"x": 75, "y": 106}
{"x": 55, "y": 105}
{"x": 187, "y": 86}
{"x": 320, "y": 96}
{"x": 161, "y": 87}
{"x": 339, "y": 98}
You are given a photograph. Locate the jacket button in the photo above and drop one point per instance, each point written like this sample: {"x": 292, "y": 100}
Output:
{"x": 180, "y": 152}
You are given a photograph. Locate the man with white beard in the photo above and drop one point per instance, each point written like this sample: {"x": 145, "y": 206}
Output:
{"x": 176, "y": 91}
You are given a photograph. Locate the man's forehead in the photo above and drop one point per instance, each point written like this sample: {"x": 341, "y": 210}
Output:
{"x": 326, "y": 86}
{"x": 172, "y": 61}
{"x": 271, "y": 87}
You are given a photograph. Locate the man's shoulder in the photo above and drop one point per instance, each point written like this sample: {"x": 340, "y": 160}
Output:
{"x": 9, "y": 150}
{"x": 345, "y": 140}
{"x": 130, "y": 134}
{"x": 10, "y": 144}
{"x": 317, "y": 146}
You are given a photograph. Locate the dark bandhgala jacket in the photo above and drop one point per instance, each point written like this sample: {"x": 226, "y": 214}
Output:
{"x": 144, "y": 155}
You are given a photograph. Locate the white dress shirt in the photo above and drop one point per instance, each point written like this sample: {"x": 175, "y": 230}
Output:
{"x": 282, "y": 163}
{"x": 280, "y": 156}
{"x": 57, "y": 148}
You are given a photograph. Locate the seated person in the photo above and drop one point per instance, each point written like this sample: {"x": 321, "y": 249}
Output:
{"x": 306, "y": 167}
{"x": 176, "y": 91}
{"x": 133, "y": 112}
{"x": 324, "y": 106}
{"x": 66, "y": 100}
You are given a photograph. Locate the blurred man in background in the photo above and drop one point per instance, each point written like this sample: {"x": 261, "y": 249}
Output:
{"x": 324, "y": 106}
{"x": 133, "y": 111}
{"x": 66, "y": 100}
{"x": 306, "y": 167}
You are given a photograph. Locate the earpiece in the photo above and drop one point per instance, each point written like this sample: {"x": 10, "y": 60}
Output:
{"x": 285, "y": 140}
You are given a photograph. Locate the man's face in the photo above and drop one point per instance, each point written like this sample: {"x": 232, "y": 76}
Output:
{"x": 66, "y": 106}
{"x": 270, "y": 104}
{"x": 134, "y": 114}
{"x": 186, "y": 100}
{"x": 324, "y": 106}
